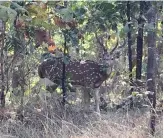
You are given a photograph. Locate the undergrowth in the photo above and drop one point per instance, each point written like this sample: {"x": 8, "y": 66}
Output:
{"x": 46, "y": 118}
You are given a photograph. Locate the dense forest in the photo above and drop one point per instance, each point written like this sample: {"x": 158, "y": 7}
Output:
{"x": 81, "y": 69}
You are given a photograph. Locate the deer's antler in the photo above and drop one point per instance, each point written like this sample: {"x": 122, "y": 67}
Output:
{"x": 116, "y": 47}
{"x": 112, "y": 51}
{"x": 100, "y": 42}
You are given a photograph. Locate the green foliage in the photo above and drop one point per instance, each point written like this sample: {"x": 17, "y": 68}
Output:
{"x": 7, "y": 14}
{"x": 66, "y": 14}
{"x": 135, "y": 93}
{"x": 126, "y": 27}
{"x": 19, "y": 9}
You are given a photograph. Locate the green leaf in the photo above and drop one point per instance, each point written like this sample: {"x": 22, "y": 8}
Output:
{"x": 66, "y": 14}
{"x": 21, "y": 10}
{"x": 14, "y": 5}
{"x": 113, "y": 73}
{"x": 105, "y": 6}
{"x": 79, "y": 11}
{"x": 7, "y": 13}
{"x": 135, "y": 93}
{"x": 52, "y": 3}
{"x": 5, "y": 3}
{"x": 126, "y": 27}
{"x": 122, "y": 33}
{"x": 59, "y": 91}
{"x": 3, "y": 13}
{"x": 12, "y": 15}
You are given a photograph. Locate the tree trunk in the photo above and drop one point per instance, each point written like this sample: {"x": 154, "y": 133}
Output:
{"x": 18, "y": 79}
{"x": 64, "y": 73}
{"x": 2, "y": 37}
{"x": 129, "y": 43}
{"x": 139, "y": 43}
{"x": 151, "y": 65}
{"x": 130, "y": 52}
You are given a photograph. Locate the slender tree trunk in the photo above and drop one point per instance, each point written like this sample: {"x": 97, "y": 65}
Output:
{"x": 159, "y": 54}
{"x": 139, "y": 44}
{"x": 151, "y": 65}
{"x": 18, "y": 78}
{"x": 64, "y": 73}
{"x": 2, "y": 37}
{"x": 130, "y": 52}
{"x": 129, "y": 43}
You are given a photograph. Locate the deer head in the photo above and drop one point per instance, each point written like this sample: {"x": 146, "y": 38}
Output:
{"x": 105, "y": 57}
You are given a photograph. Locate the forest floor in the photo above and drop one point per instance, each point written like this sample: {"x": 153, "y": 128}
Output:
{"x": 46, "y": 118}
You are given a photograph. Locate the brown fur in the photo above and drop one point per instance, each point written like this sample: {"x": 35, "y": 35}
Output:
{"x": 88, "y": 73}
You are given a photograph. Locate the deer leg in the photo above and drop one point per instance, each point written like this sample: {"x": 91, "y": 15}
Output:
{"x": 71, "y": 88}
{"x": 86, "y": 98}
{"x": 97, "y": 100}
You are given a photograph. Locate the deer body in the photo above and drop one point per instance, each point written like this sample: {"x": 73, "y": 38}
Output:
{"x": 88, "y": 74}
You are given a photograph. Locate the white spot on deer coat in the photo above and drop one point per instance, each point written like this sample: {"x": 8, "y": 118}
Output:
{"x": 82, "y": 62}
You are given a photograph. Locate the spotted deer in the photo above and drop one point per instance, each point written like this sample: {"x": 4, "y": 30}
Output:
{"x": 89, "y": 74}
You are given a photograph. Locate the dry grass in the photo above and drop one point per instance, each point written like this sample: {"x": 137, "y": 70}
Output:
{"x": 46, "y": 118}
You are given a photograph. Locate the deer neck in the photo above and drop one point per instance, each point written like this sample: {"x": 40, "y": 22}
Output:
{"x": 106, "y": 69}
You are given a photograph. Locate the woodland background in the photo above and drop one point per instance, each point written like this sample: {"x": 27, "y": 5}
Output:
{"x": 30, "y": 29}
